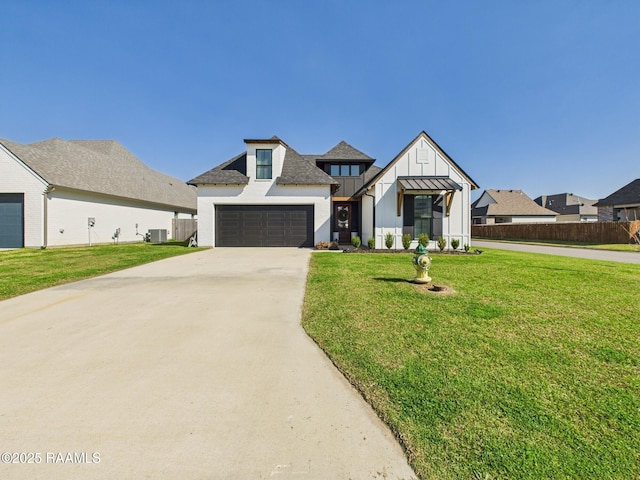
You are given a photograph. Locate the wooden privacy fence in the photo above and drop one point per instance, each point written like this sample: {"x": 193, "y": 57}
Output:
{"x": 586, "y": 232}
{"x": 183, "y": 228}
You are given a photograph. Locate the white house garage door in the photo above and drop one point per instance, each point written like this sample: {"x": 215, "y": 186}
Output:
{"x": 264, "y": 226}
{"x": 11, "y": 220}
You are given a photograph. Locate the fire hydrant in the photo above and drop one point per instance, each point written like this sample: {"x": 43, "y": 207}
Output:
{"x": 422, "y": 262}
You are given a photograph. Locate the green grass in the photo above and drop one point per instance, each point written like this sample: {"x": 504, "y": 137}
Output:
{"x": 532, "y": 370}
{"x": 26, "y": 270}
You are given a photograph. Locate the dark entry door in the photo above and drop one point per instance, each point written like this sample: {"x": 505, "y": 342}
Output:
{"x": 343, "y": 222}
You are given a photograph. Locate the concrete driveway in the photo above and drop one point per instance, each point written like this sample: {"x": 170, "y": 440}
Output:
{"x": 194, "y": 367}
{"x": 589, "y": 253}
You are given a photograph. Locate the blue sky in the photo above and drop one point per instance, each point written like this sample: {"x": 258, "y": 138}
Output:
{"x": 542, "y": 96}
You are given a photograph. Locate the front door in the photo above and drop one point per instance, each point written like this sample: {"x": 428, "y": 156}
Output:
{"x": 343, "y": 221}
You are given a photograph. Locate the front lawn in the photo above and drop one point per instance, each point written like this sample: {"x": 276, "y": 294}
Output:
{"x": 531, "y": 370}
{"x": 26, "y": 270}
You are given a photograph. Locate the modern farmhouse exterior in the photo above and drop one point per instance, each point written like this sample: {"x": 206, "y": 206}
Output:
{"x": 56, "y": 192}
{"x": 270, "y": 195}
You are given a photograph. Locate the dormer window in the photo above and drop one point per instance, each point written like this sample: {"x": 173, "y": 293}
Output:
{"x": 344, "y": 170}
{"x": 263, "y": 164}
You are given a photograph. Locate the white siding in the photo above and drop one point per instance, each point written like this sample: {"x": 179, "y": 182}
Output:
{"x": 16, "y": 177}
{"x": 69, "y": 211}
{"x": 421, "y": 159}
{"x": 277, "y": 158}
{"x": 262, "y": 193}
{"x": 532, "y": 219}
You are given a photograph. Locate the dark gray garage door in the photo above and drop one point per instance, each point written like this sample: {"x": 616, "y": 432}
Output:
{"x": 264, "y": 226}
{"x": 11, "y": 220}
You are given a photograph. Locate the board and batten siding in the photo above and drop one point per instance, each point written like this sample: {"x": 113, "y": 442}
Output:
{"x": 421, "y": 159}
{"x": 16, "y": 177}
{"x": 263, "y": 193}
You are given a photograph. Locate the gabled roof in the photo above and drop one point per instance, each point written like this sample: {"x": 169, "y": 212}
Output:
{"x": 344, "y": 151}
{"x": 628, "y": 194}
{"x": 104, "y": 167}
{"x": 424, "y": 135}
{"x": 296, "y": 169}
{"x": 300, "y": 170}
{"x": 509, "y": 203}
{"x": 231, "y": 172}
{"x": 567, "y": 204}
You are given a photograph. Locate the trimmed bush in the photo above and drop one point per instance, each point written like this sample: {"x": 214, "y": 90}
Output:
{"x": 442, "y": 243}
{"x": 406, "y": 241}
{"x": 356, "y": 242}
{"x": 388, "y": 240}
{"x": 372, "y": 243}
{"x": 423, "y": 239}
{"x": 455, "y": 243}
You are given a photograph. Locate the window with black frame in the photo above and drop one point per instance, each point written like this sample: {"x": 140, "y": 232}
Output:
{"x": 263, "y": 164}
{"x": 423, "y": 215}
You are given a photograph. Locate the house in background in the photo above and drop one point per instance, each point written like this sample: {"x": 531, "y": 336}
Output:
{"x": 569, "y": 207}
{"x": 270, "y": 195}
{"x": 508, "y": 206}
{"x": 56, "y": 192}
{"x": 621, "y": 205}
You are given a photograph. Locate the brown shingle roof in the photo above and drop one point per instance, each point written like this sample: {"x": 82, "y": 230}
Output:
{"x": 509, "y": 202}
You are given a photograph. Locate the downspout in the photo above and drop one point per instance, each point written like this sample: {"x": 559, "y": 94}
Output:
{"x": 374, "y": 212}
{"x": 45, "y": 222}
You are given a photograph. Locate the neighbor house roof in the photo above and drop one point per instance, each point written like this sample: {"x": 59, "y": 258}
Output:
{"x": 423, "y": 134}
{"x": 567, "y": 204}
{"x": 629, "y": 194}
{"x": 104, "y": 167}
{"x": 509, "y": 203}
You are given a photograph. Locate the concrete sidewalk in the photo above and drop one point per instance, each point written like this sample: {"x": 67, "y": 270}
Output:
{"x": 590, "y": 253}
{"x": 194, "y": 367}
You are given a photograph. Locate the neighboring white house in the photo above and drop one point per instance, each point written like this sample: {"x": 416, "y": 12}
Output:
{"x": 270, "y": 195}
{"x": 508, "y": 206}
{"x": 56, "y": 192}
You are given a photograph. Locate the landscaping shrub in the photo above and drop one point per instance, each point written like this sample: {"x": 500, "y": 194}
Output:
{"x": 466, "y": 247}
{"x": 388, "y": 240}
{"x": 442, "y": 243}
{"x": 406, "y": 241}
{"x": 423, "y": 239}
{"x": 455, "y": 243}
{"x": 372, "y": 243}
{"x": 356, "y": 242}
